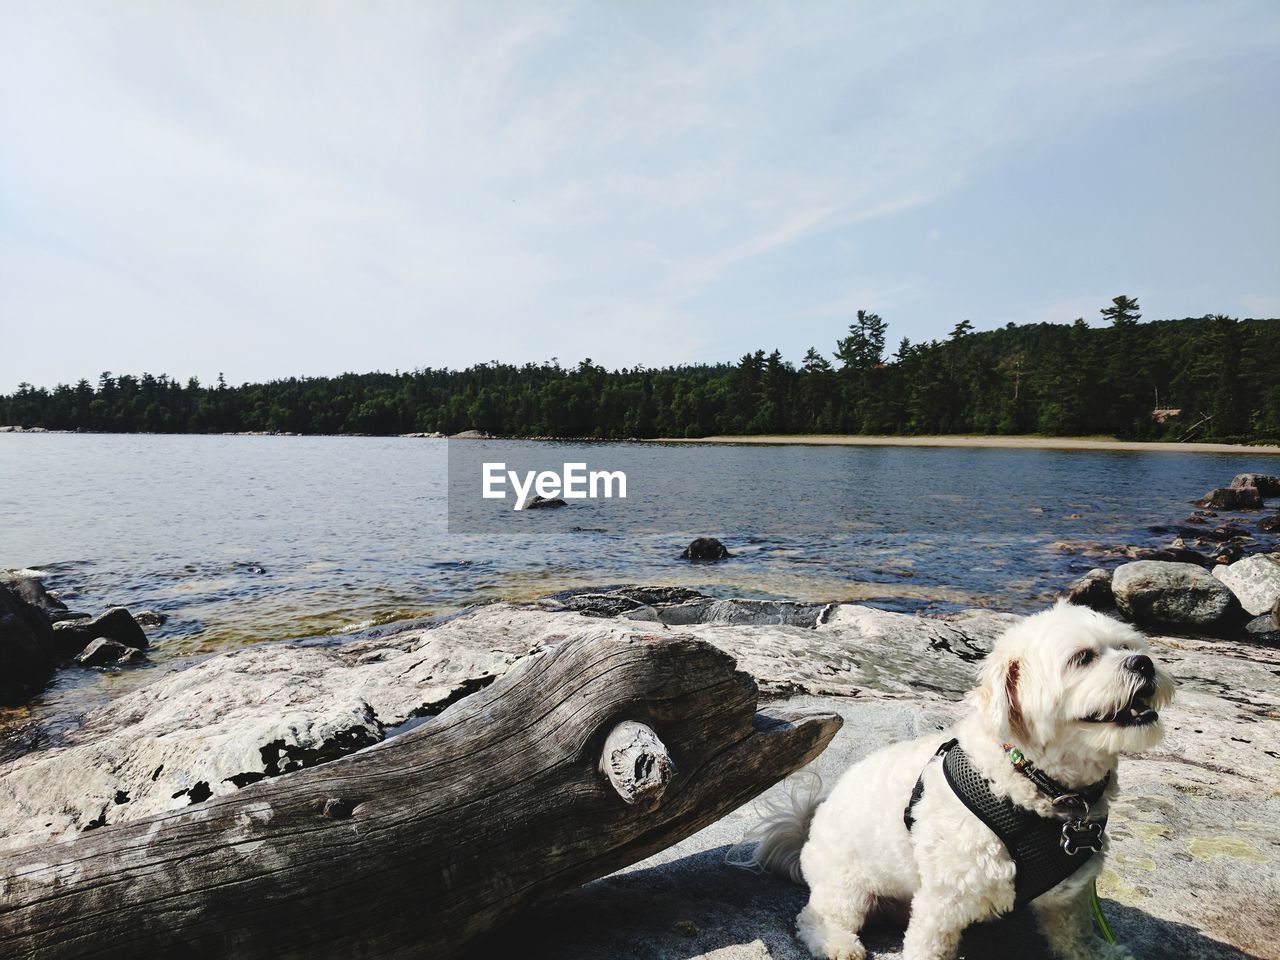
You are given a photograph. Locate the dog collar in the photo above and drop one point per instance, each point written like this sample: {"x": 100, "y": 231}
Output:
{"x": 1064, "y": 798}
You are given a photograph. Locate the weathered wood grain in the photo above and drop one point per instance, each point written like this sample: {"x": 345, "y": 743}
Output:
{"x": 414, "y": 847}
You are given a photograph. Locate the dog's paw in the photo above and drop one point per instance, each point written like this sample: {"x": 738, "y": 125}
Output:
{"x": 825, "y": 940}
{"x": 1114, "y": 951}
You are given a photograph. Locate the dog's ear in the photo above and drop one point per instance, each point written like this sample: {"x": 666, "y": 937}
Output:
{"x": 998, "y": 696}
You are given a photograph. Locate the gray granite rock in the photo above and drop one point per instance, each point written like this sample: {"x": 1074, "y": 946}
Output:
{"x": 256, "y": 712}
{"x": 1255, "y": 581}
{"x": 1178, "y": 595}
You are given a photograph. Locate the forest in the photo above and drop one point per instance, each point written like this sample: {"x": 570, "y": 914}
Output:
{"x": 1205, "y": 378}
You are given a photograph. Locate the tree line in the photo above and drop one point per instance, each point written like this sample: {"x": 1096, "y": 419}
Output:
{"x": 1212, "y": 377}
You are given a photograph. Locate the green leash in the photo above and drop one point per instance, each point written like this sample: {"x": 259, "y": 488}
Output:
{"x": 1098, "y": 918}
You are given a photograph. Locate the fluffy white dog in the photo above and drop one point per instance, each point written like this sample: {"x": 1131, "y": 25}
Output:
{"x": 1062, "y": 694}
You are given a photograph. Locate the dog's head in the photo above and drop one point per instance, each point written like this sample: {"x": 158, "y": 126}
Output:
{"x": 1075, "y": 679}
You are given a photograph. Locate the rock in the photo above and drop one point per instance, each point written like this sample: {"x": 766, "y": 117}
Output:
{"x": 1264, "y": 629}
{"x": 27, "y": 656}
{"x": 543, "y": 503}
{"x": 1232, "y": 498}
{"x": 470, "y": 435}
{"x": 1170, "y": 554}
{"x": 72, "y": 636}
{"x": 1228, "y": 553}
{"x": 1266, "y": 485}
{"x": 235, "y": 718}
{"x": 705, "y": 548}
{"x": 102, "y": 652}
{"x": 1093, "y": 590}
{"x": 32, "y": 592}
{"x": 1275, "y": 612}
{"x": 1181, "y": 595}
{"x": 1270, "y": 524}
{"x": 1254, "y": 580}
{"x": 1227, "y": 531}
{"x": 150, "y": 618}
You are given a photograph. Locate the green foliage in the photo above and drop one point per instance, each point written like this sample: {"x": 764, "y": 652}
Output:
{"x": 1065, "y": 380}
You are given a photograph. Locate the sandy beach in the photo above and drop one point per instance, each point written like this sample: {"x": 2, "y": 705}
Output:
{"x": 1010, "y": 443}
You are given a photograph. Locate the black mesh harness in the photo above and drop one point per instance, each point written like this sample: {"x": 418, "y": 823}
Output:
{"x": 1045, "y": 850}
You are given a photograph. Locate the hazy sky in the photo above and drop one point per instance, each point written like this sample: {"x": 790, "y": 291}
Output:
{"x": 275, "y": 188}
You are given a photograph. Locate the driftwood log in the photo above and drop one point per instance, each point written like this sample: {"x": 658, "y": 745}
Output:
{"x": 579, "y": 761}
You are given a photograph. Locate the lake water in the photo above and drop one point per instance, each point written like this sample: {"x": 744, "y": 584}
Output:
{"x": 244, "y": 539}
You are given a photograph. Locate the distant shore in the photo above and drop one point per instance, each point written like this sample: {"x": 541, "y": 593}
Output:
{"x": 995, "y": 442}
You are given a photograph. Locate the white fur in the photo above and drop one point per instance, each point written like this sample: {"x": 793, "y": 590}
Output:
{"x": 950, "y": 869}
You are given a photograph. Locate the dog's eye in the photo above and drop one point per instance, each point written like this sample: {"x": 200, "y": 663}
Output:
{"x": 1083, "y": 658}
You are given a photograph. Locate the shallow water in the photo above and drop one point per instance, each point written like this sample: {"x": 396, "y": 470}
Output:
{"x": 245, "y": 539}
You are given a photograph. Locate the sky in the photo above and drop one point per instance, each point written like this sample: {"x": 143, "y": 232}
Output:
{"x": 274, "y": 188}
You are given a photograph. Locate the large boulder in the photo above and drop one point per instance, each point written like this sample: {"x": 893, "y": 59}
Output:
{"x": 1254, "y": 580}
{"x": 1179, "y": 595}
{"x": 72, "y": 636}
{"x": 27, "y": 654}
{"x": 1265, "y": 484}
{"x": 32, "y": 592}
{"x": 1093, "y": 590}
{"x": 1232, "y": 498}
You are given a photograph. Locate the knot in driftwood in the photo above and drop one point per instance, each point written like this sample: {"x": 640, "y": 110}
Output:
{"x": 637, "y": 764}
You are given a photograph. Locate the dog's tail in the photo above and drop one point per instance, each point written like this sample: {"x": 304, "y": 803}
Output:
{"x": 774, "y": 844}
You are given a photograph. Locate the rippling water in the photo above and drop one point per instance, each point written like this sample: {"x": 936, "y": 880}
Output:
{"x": 243, "y": 539}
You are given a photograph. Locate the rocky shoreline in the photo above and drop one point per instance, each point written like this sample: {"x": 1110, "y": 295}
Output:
{"x": 1196, "y": 832}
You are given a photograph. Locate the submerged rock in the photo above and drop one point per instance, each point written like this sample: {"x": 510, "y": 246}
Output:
{"x": 150, "y": 618}
{"x": 1270, "y": 524}
{"x": 1255, "y": 581}
{"x": 1179, "y": 595}
{"x": 27, "y": 657}
{"x": 1093, "y": 590}
{"x": 543, "y": 503}
{"x": 705, "y": 548}
{"x": 72, "y": 636}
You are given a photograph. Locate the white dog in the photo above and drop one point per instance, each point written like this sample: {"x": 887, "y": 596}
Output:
{"x": 1062, "y": 694}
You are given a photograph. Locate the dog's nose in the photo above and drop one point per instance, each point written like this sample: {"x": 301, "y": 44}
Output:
{"x": 1140, "y": 664}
